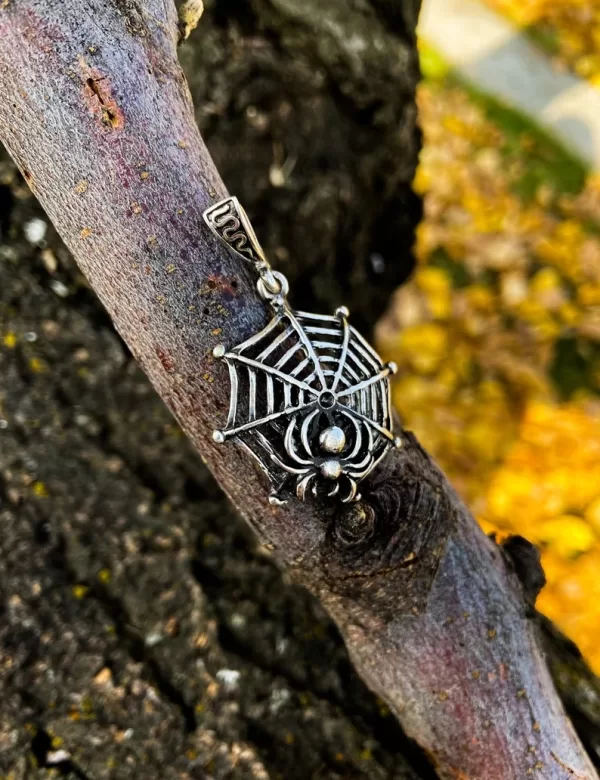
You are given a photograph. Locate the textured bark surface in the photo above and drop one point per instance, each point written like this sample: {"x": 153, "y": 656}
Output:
{"x": 119, "y": 552}
{"x": 111, "y": 619}
{"x": 308, "y": 110}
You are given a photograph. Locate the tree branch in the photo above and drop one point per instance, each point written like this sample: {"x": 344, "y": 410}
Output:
{"x": 96, "y": 113}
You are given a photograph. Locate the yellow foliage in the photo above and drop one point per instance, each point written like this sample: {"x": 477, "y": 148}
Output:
{"x": 501, "y": 283}
{"x": 80, "y": 591}
{"x": 40, "y": 490}
{"x": 423, "y": 346}
{"x": 10, "y": 340}
{"x": 573, "y": 26}
{"x": 437, "y": 289}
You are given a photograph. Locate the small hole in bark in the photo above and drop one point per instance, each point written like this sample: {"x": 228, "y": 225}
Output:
{"x": 109, "y": 115}
{"x": 355, "y": 526}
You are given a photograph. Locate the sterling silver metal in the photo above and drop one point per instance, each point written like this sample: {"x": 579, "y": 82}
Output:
{"x": 310, "y": 398}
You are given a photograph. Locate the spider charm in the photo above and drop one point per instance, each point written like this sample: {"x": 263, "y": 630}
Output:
{"x": 310, "y": 398}
{"x": 310, "y": 401}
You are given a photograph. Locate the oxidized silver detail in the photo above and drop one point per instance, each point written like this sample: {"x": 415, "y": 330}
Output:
{"x": 332, "y": 439}
{"x": 310, "y": 398}
{"x": 228, "y": 220}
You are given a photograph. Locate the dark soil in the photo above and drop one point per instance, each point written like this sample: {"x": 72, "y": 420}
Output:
{"x": 143, "y": 632}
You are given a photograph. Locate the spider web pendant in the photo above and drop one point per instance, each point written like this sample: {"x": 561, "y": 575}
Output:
{"x": 310, "y": 400}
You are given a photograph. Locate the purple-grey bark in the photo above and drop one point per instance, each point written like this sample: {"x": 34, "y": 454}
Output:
{"x": 96, "y": 112}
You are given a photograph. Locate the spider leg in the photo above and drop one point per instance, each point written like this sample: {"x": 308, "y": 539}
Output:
{"x": 334, "y": 491}
{"x": 304, "y": 431}
{"x": 303, "y": 485}
{"x": 351, "y": 496}
{"x": 289, "y": 444}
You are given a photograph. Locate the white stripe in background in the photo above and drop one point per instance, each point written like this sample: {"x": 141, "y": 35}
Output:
{"x": 499, "y": 60}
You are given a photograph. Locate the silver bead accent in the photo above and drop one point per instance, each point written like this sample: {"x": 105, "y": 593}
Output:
{"x": 306, "y": 387}
{"x": 332, "y": 439}
{"x": 331, "y": 469}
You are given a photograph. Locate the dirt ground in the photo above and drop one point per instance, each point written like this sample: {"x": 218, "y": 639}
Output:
{"x": 144, "y": 634}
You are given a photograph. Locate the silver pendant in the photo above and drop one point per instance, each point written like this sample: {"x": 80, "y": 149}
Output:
{"x": 310, "y": 398}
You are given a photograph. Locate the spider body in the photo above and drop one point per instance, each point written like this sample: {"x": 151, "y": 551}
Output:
{"x": 310, "y": 401}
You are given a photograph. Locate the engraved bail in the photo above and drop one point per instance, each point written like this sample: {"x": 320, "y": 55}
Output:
{"x": 229, "y": 222}
{"x": 309, "y": 397}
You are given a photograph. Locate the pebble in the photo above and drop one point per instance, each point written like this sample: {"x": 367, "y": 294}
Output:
{"x": 35, "y": 230}
{"x": 229, "y": 677}
{"x": 59, "y": 288}
{"x": 57, "y": 756}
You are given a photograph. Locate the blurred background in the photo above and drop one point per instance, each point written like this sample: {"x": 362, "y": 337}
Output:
{"x": 144, "y": 633}
{"x": 498, "y": 331}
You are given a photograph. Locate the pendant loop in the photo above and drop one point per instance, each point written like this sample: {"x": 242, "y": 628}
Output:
{"x": 230, "y": 224}
{"x": 310, "y": 398}
{"x": 265, "y": 284}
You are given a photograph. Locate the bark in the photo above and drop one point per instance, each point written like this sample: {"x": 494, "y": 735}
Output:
{"x": 323, "y": 104}
{"x": 137, "y": 602}
{"x": 97, "y": 115}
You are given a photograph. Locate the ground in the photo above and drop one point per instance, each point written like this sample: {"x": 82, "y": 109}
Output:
{"x": 144, "y": 633}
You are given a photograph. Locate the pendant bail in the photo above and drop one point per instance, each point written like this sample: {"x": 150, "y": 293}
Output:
{"x": 276, "y": 297}
{"x": 230, "y": 224}
{"x": 309, "y": 397}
